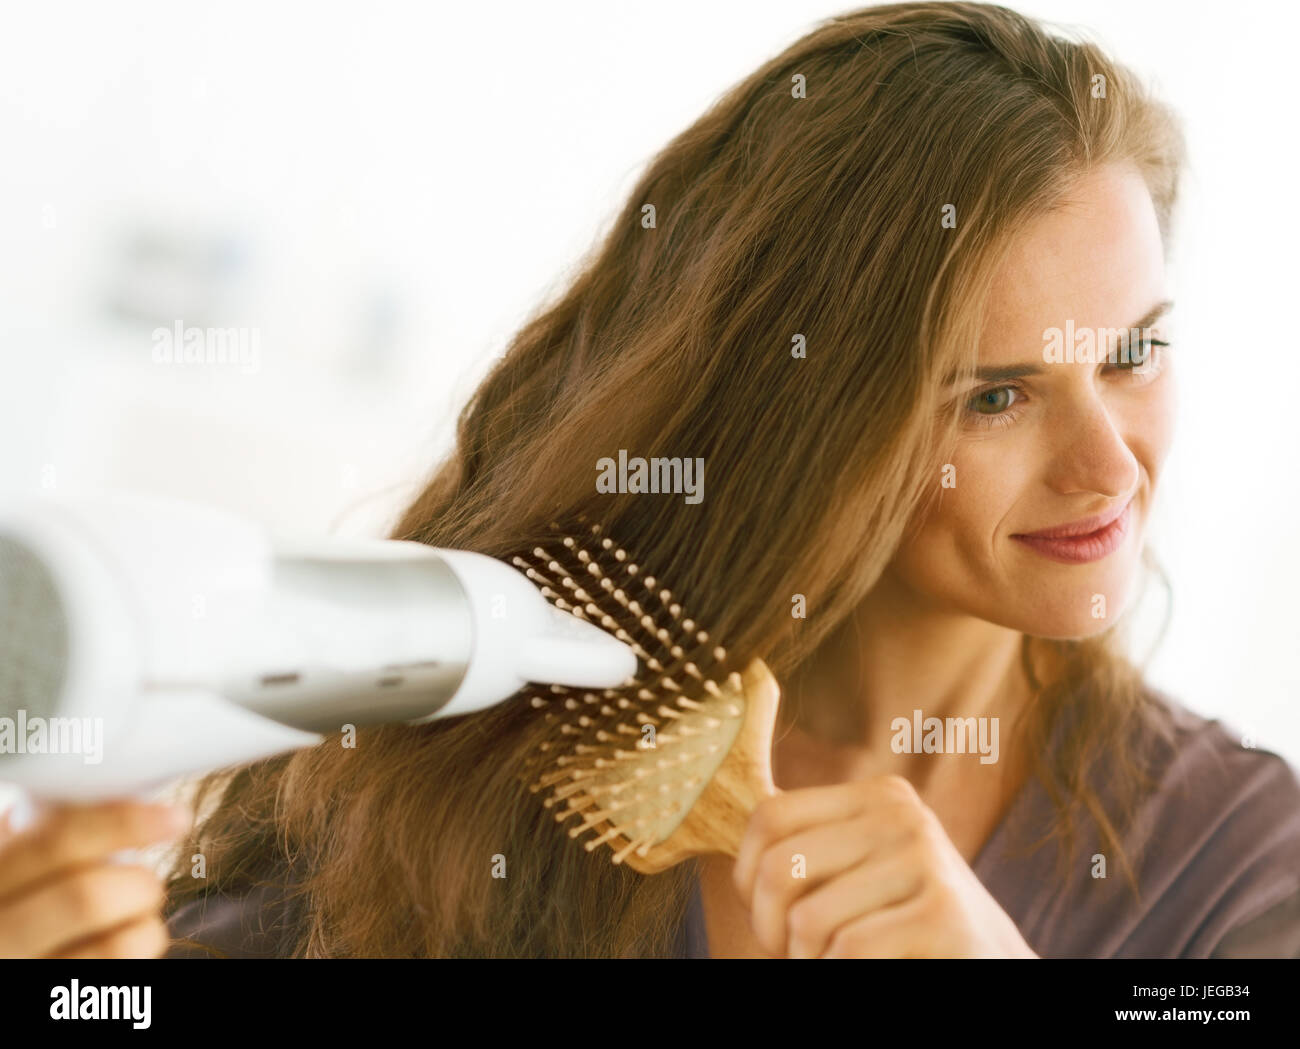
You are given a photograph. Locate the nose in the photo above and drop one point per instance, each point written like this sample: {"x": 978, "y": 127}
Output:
{"x": 1090, "y": 452}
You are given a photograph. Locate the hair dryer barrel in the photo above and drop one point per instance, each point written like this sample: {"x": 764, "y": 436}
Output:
{"x": 386, "y": 630}
{"x": 189, "y": 640}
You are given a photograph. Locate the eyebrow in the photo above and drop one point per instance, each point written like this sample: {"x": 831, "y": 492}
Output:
{"x": 1018, "y": 371}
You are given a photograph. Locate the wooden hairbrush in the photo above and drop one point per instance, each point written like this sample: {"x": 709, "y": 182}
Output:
{"x": 672, "y": 763}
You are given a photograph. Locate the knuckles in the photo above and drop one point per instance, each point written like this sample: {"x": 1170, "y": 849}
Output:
{"x": 773, "y": 871}
{"x": 143, "y": 940}
{"x": 100, "y": 895}
{"x": 83, "y": 900}
{"x": 847, "y": 943}
{"x": 894, "y": 786}
{"x": 762, "y": 821}
{"x": 805, "y": 923}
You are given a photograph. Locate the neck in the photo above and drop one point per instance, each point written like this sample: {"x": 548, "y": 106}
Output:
{"x": 896, "y": 654}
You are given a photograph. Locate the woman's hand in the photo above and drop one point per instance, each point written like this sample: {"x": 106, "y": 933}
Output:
{"x": 881, "y": 879}
{"x": 62, "y": 896}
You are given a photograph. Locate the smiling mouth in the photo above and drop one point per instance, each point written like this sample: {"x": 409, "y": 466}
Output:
{"x": 1070, "y": 546}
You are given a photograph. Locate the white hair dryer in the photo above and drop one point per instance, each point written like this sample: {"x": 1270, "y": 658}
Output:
{"x": 144, "y": 638}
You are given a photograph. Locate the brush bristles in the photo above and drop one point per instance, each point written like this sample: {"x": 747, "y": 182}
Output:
{"x": 595, "y": 756}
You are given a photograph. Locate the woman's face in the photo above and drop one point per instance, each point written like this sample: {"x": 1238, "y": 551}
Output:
{"x": 1055, "y": 443}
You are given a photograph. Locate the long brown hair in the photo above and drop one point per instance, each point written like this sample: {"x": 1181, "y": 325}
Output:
{"x": 807, "y": 202}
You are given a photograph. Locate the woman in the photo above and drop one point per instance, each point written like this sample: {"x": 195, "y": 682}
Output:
{"x": 837, "y": 289}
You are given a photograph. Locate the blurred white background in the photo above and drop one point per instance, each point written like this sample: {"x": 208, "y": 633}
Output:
{"x": 383, "y": 191}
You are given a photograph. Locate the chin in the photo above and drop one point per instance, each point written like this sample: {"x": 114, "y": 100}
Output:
{"x": 1082, "y": 608}
{"x": 1067, "y": 628}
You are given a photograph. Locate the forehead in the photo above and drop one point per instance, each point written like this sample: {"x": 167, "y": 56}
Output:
{"x": 1096, "y": 260}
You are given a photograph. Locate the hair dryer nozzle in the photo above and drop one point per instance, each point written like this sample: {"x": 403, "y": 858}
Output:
{"x": 519, "y": 637}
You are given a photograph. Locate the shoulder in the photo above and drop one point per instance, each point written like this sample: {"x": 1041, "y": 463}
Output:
{"x": 1223, "y": 819}
{"x": 1212, "y": 767}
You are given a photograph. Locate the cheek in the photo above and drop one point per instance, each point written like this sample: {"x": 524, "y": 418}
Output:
{"x": 953, "y": 545}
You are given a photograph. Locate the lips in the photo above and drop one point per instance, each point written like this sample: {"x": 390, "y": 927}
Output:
{"x": 1083, "y": 541}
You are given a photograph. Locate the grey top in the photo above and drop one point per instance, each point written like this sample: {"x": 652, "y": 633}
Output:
{"x": 1220, "y": 876}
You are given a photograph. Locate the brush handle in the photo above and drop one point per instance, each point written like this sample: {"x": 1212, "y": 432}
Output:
{"x": 717, "y": 820}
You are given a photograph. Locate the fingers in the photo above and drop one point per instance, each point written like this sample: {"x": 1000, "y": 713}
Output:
{"x": 83, "y": 905}
{"x": 68, "y": 836}
{"x": 146, "y": 938}
{"x": 826, "y": 850}
{"x": 887, "y": 933}
{"x": 785, "y": 814}
{"x": 861, "y": 847}
{"x": 811, "y": 923}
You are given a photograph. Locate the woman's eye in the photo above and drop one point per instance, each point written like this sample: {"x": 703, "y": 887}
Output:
{"x": 1143, "y": 359}
{"x": 994, "y": 401}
